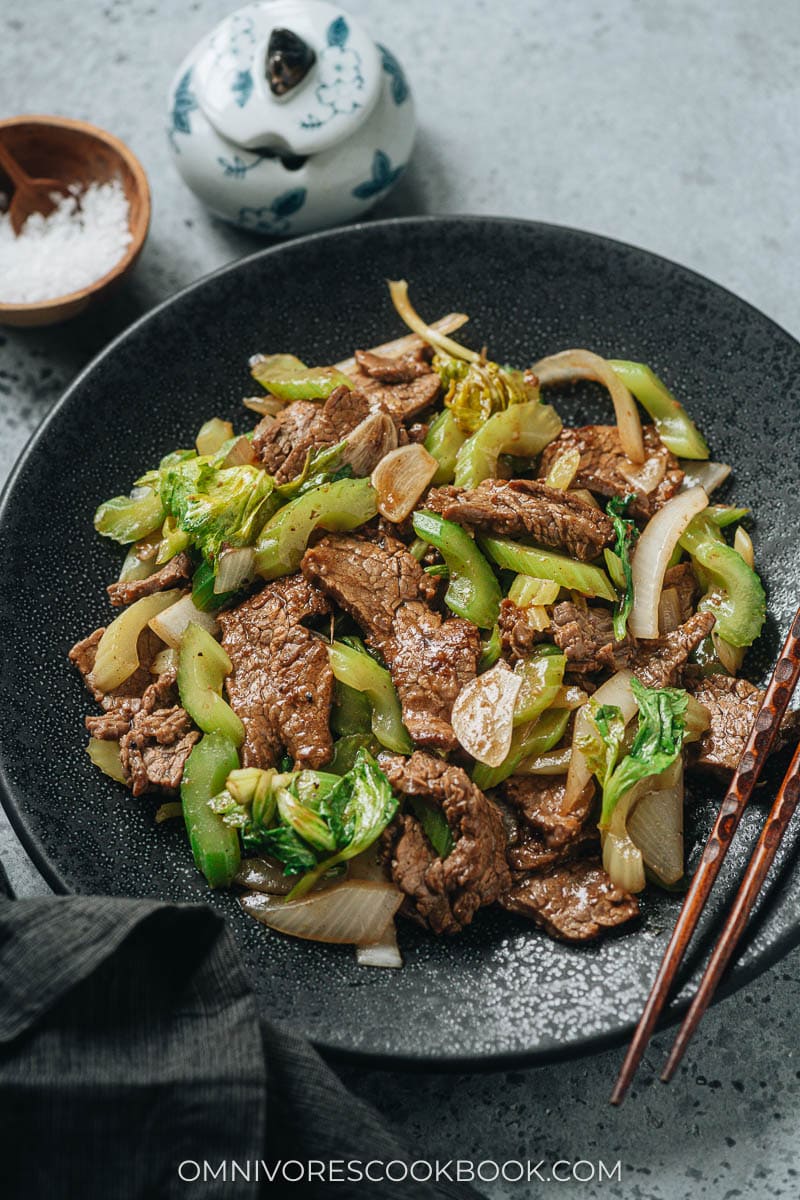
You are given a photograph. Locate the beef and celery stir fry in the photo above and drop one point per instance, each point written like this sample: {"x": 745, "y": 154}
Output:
{"x": 414, "y": 644}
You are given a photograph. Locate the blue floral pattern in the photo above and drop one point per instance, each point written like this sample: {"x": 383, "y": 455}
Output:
{"x": 273, "y": 218}
{"x": 382, "y": 178}
{"x": 341, "y": 79}
{"x": 399, "y": 85}
{"x": 242, "y": 87}
{"x": 184, "y": 103}
{"x": 236, "y": 167}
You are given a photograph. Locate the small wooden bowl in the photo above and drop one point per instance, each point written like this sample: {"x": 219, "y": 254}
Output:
{"x": 75, "y": 152}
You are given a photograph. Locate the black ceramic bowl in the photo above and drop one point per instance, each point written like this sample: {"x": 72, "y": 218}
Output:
{"x": 501, "y": 992}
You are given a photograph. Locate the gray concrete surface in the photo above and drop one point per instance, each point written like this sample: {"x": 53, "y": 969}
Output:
{"x": 667, "y": 123}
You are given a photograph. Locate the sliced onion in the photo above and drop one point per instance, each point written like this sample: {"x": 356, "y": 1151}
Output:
{"x": 564, "y": 469}
{"x": 105, "y": 755}
{"x": 569, "y": 697}
{"x": 384, "y": 953}
{"x": 669, "y": 610}
{"x": 652, "y": 554}
{"x": 398, "y": 290}
{"x": 400, "y": 479}
{"x": 743, "y": 544}
{"x": 616, "y": 691}
{"x": 355, "y": 911}
{"x": 267, "y": 406}
{"x": 586, "y": 496}
{"x": 370, "y": 441}
{"x": 212, "y": 435}
{"x": 623, "y": 860}
{"x": 656, "y": 824}
{"x": 117, "y": 651}
{"x": 138, "y": 566}
{"x": 170, "y": 623}
{"x": 236, "y": 568}
{"x": 264, "y": 875}
{"x": 408, "y": 343}
{"x": 240, "y": 454}
{"x": 707, "y": 475}
{"x": 582, "y": 364}
{"x": 165, "y": 660}
{"x": 730, "y": 656}
{"x": 648, "y": 476}
{"x": 483, "y": 714}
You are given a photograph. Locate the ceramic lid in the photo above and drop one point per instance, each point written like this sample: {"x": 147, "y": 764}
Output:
{"x": 295, "y": 76}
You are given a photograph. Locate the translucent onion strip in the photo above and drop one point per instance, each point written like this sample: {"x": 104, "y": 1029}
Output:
{"x": 616, "y": 691}
{"x": 355, "y": 912}
{"x": 743, "y": 544}
{"x": 656, "y": 824}
{"x": 384, "y": 953}
{"x": 707, "y": 475}
{"x": 407, "y": 344}
{"x": 398, "y": 290}
{"x": 400, "y": 478}
{"x": 570, "y": 365}
{"x": 651, "y": 557}
{"x": 171, "y": 624}
{"x": 483, "y": 714}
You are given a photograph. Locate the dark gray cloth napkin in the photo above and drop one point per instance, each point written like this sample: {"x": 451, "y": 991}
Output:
{"x": 131, "y": 1043}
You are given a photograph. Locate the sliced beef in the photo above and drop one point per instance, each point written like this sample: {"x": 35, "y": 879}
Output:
{"x": 281, "y": 684}
{"x": 403, "y": 400}
{"x": 403, "y": 368}
{"x": 445, "y": 894}
{"x": 384, "y": 589}
{"x": 660, "y": 663}
{"x": 282, "y": 445}
{"x": 430, "y": 661}
{"x": 518, "y": 635}
{"x": 732, "y": 705}
{"x": 528, "y": 851}
{"x": 601, "y": 456}
{"x": 176, "y": 573}
{"x": 575, "y": 901}
{"x": 539, "y": 800}
{"x": 369, "y": 578}
{"x": 586, "y": 638}
{"x": 527, "y": 508}
{"x": 83, "y": 654}
{"x": 154, "y": 750}
{"x": 682, "y": 578}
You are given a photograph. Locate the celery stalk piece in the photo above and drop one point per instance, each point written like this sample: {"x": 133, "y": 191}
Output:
{"x": 212, "y": 435}
{"x": 202, "y": 666}
{"x": 117, "y": 654}
{"x": 215, "y": 845}
{"x": 546, "y": 564}
{"x": 342, "y": 505}
{"x": 289, "y": 379}
{"x": 444, "y": 441}
{"x": 360, "y": 671}
{"x": 675, "y": 427}
{"x": 491, "y": 649}
{"x": 306, "y": 823}
{"x": 126, "y": 519}
{"x": 526, "y": 590}
{"x": 737, "y": 596}
{"x": 134, "y": 567}
{"x": 523, "y": 430}
{"x": 351, "y": 713}
{"x": 173, "y": 541}
{"x": 473, "y": 591}
{"x": 542, "y": 675}
{"x": 529, "y": 741}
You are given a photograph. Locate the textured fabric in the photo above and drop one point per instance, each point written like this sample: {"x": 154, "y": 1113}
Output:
{"x": 131, "y": 1042}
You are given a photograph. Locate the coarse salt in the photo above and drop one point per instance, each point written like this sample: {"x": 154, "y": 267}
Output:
{"x": 82, "y": 239}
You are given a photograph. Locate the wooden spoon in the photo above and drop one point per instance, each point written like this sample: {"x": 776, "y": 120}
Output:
{"x": 30, "y": 195}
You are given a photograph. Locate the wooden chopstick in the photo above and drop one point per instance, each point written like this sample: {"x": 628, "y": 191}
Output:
{"x": 771, "y": 836}
{"x": 759, "y": 743}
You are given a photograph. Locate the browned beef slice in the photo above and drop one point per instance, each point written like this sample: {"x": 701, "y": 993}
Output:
{"x": 282, "y": 444}
{"x": 575, "y": 901}
{"x": 446, "y": 893}
{"x": 528, "y": 507}
{"x": 401, "y": 369}
{"x": 530, "y": 852}
{"x": 586, "y": 637}
{"x": 681, "y": 577}
{"x": 732, "y": 705}
{"x": 601, "y": 454}
{"x": 539, "y": 799}
{"x": 176, "y": 573}
{"x": 660, "y": 663}
{"x": 383, "y": 588}
{"x": 518, "y": 636}
{"x": 369, "y": 578}
{"x": 281, "y": 684}
{"x": 154, "y": 750}
{"x": 83, "y": 655}
{"x": 430, "y": 661}
{"x": 403, "y": 401}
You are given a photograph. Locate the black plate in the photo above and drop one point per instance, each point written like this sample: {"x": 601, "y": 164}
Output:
{"x": 501, "y": 992}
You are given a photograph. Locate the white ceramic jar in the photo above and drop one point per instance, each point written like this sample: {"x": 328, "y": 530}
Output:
{"x": 287, "y": 117}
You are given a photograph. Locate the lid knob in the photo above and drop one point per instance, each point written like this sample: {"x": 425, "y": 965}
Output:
{"x": 289, "y": 59}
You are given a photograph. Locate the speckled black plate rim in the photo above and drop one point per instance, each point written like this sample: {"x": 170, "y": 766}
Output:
{"x": 739, "y": 976}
